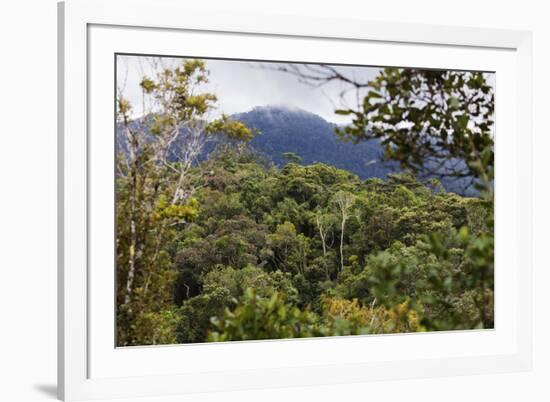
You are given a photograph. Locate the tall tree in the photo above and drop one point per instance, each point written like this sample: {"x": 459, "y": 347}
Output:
{"x": 155, "y": 190}
{"x": 344, "y": 201}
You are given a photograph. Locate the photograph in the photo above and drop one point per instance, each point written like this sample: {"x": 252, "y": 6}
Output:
{"x": 261, "y": 200}
{"x": 275, "y": 201}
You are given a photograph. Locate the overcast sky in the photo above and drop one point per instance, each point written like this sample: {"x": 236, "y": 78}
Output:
{"x": 242, "y": 85}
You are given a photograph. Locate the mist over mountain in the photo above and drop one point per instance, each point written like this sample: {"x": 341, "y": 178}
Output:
{"x": 312, "y": 138}
{"x": 285, "y": 129}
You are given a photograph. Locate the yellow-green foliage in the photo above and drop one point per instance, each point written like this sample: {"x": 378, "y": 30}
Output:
{"x": 232, "y": 129}
{"x": 179, "y": 213}
{"x": 157, "y": 328}
{"x": 372, "y": 319}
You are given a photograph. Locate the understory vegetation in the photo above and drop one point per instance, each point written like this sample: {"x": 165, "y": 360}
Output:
{"x": 233, "y": 247}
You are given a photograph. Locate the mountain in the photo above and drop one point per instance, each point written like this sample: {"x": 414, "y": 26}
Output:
{"x": 284, "y": 129}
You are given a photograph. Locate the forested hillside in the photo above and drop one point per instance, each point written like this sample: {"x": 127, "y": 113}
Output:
{"x": 230, "y": 246}
{"x": 328, "y": 252}
{"x": 283, "y": 131}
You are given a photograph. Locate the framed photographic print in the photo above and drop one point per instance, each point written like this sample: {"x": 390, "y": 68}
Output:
{"x": 244, "y": 204}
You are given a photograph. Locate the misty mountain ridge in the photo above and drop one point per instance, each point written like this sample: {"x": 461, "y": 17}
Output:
{"x": 289, "y": 129}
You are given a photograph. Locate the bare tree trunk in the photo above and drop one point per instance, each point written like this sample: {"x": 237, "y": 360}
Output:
{"x": 131, "y": 261}
{"x": 132, "y": 148}
{"x": 322, "y": 233}
{"x": 323, "y": 240}
{"x": 344, "y": 201}
{"x": 342, "y": 242}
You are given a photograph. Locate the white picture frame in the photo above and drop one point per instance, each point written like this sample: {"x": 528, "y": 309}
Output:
{"x": 91, "y": 368}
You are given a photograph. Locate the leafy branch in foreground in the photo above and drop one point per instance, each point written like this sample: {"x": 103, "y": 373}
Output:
{"x": 437, "y": 123}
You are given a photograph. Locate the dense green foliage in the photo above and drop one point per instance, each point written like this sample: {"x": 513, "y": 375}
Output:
{"x": 234, "y": 248}
{"x": 277, "y": 232}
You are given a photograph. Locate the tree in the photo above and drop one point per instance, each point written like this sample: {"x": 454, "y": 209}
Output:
{"x": 291, "y": 157}
{"x": 196, "y": 312}
{"x": 155, "y": 155}
{"x": 344, "y": 201}
{"x": 287, "y": 249}
{"x": 324, "y": 223}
